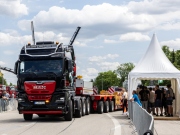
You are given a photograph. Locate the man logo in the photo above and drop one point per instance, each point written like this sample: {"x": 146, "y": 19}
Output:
{"x": 39, "y": 87}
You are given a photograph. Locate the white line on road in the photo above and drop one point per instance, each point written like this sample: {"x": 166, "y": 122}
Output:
{"x": 117, "y": 128}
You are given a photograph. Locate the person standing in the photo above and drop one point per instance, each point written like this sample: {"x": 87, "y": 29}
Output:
{"x": 151, "y": 101}
{"x": 158, "y": 100}
{"x": 169, "y": 97}
{"x": 124, "y": 96}
{"x": 144, "y": 94}
{"x": 164, "y": 104}
{"x": 135, "y": 98}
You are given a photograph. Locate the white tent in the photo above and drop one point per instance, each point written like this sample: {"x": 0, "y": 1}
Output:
{"x": 155, "y": 66}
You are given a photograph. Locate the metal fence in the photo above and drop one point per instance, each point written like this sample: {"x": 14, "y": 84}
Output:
{"x": 141, "y": 119}
{"x": 8, "y": 105}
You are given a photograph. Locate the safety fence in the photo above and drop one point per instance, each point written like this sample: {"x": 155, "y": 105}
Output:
{"x": 141, "y": 119}
{"x": 8, "y": 105}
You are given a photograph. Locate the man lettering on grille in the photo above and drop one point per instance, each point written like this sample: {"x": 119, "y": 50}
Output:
{"x": 144, "y": 94}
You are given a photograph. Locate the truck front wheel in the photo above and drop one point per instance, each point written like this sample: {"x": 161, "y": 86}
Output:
{"x": 69, "y": 115}
{"x": 28, "y": 117}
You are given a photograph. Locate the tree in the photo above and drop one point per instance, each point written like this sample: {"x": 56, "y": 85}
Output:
{"x": 3, "y": 81}
{"x": 123, "y": 71}
{"x": 106, "y": 79}
{"x": 10, "y": 84}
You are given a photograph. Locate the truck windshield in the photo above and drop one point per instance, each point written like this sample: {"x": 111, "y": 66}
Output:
{"x": 41, "y": 66}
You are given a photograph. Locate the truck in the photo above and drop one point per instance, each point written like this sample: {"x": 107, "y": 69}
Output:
{"x": 47, "y": 83}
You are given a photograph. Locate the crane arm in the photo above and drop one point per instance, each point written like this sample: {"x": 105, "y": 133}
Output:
{"x": 7, "y": 69}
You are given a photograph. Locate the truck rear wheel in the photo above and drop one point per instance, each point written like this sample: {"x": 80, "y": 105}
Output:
{"x": 111, "y": 106}
{"x": 87, "y": 106}
{"x": 28, "y": 117}
{"x": 78, "y": 113}
{"x": 106, "y": 106}
{"x": 69, "y": 115}
{"x": 100, "y": 107}
{"x": 83, "y": 107}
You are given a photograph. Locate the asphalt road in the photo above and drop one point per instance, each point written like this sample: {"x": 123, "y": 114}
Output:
{"x": 12, "y": 123}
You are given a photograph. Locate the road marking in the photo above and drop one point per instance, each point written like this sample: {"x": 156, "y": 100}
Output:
{"x": 117, "y": 128}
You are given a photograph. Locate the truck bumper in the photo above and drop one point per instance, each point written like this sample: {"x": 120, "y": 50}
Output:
{"x": 59, "y": 112}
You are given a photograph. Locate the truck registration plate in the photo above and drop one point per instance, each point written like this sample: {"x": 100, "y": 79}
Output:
{"x": 39, "y": 103}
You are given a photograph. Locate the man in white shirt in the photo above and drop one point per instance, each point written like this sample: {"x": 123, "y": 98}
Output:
{"x": 124, "y": 96}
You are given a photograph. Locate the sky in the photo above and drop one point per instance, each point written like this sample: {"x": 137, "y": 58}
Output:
{"x": 112, "y": 32}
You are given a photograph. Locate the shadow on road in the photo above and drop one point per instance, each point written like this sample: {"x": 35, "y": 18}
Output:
{"x": 36, "y": 119}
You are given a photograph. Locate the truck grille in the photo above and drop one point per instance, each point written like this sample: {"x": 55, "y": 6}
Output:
{"x": 39, "y": 97}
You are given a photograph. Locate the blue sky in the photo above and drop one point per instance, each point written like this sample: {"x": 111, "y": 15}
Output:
{"x": 113, "y": 32}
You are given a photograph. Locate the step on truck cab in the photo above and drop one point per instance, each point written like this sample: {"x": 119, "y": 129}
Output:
{"x": 46, "y": 74}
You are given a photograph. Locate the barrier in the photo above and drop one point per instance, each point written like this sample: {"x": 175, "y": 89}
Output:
{"x": 141, "y": 119}
{"x": 8, "y": 105}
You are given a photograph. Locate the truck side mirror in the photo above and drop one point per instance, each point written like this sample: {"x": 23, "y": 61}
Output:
{"x": 16, "y": 67}
{"x": 70, "y": 65}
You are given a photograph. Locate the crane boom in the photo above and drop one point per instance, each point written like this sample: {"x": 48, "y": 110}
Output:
{"x": 7, "y": 69}
{"x": 74, "y": 36}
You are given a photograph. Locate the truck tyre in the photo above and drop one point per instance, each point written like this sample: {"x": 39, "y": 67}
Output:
{"x": 78, "y": 113}
{"x": 91, "y": 107}
{"x": 69, "y": 115}
{"x": 111, "y": 106}
{"x": 83, "y": 107}
{"x": 87, "y": 106}
{"x": 106, "y": 107}
{"x": 28, "y": 117}
{"x": 100, "y": 107}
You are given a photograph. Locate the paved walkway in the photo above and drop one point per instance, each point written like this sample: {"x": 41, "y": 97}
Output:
{"x": 161, "y": 127}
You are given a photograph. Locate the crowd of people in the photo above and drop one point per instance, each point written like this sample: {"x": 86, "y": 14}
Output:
{"x": 155, "y": 99}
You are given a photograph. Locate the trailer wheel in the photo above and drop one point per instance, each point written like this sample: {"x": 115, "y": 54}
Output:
{"x": 100, "y": 107}
{"x": 83, "y": 107}
{"x": 69, "y": 115}
{"x": 28, "y": 117}
{"x": 78, "y": 113}
{"x": 87, "y": 106}
{"x": 106, "y": 106}
{"x": 111, "y": 106}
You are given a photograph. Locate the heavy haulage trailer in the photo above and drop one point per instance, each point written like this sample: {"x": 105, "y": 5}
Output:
{"x": 47, "y": 83}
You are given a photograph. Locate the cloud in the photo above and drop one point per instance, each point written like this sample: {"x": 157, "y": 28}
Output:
{"x": 172, "y": 43}
{"x": 6, "y": 39}
{"x": 102, "y": 58}
{"x": 154, "y": 6}
{"x": 2, "y": 63}
{"x": 96, "y": 58}
{"x": 110, "y": 41}
{"x": 108, "y": 65}
{"x": 89, "y": 73}
{"x": 94, "y": 23}
{"x": 134, "y": 36}
{"x": 13, "y": 8}
{"x": 112, "y": 56}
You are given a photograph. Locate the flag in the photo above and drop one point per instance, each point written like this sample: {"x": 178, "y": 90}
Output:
{"x": 95, "y": 91}
{"x": 111, "y": 90}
